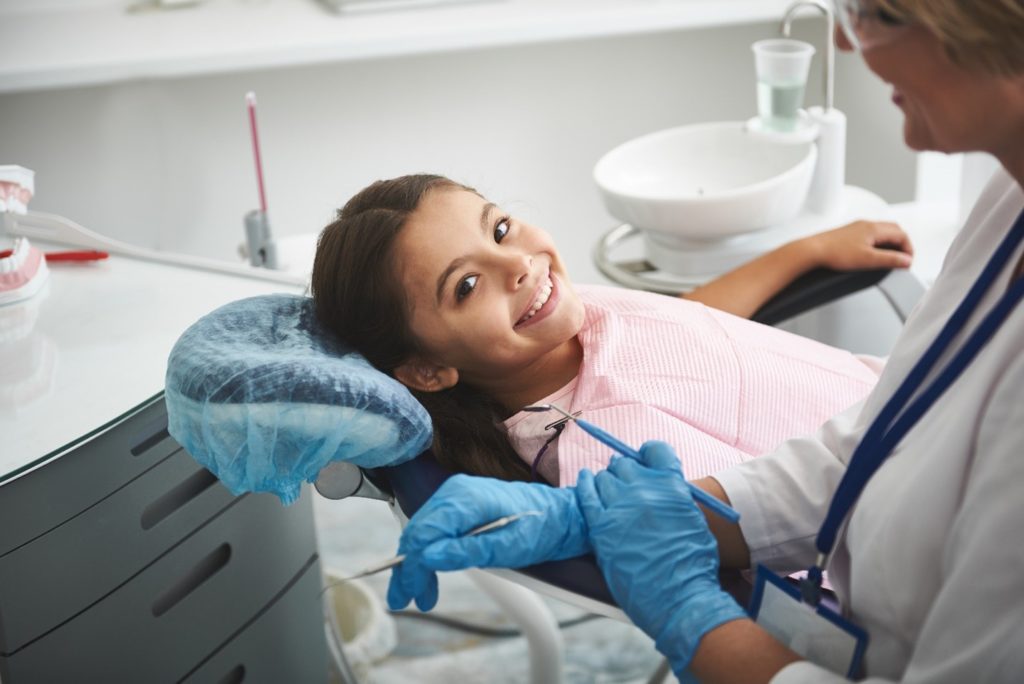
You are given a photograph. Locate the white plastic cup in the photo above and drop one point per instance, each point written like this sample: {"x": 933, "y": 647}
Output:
{"x": 782, "y": 66}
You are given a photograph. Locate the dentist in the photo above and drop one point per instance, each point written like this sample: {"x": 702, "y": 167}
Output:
{"x": 913, "y": 501}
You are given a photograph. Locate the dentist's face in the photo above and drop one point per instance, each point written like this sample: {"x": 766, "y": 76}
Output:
{"x": 489, "y": 294}
{"x": 946, "y": 107}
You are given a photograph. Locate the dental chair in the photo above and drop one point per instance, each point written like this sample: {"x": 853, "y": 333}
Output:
{"x": 578, "y": 581}
{"x": 405, "y": 486}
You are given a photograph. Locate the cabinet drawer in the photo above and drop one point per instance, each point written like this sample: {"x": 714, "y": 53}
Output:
{"x": 285, "y": 644}
{"x": 63, "y": 572}
{"x": 161, "y": 624}
{"x": 48, "y": 496}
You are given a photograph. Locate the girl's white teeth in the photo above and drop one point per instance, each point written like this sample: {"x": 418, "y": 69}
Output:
{"x": 542, "y": 298}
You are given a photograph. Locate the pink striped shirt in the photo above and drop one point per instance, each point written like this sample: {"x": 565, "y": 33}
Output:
{"x": 718, "y": 388}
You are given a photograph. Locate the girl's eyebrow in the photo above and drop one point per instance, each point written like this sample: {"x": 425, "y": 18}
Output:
{"x": 443, "y": 278}
{"x": 484, "y": 223}
{"x": 457, "y": 262}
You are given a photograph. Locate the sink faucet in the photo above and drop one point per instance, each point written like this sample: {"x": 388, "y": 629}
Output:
{"x": 830, "y": 43}
{"x": 826, "y": 192}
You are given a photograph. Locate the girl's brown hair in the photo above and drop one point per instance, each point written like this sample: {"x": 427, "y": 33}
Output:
{"x": 359, "y": 297}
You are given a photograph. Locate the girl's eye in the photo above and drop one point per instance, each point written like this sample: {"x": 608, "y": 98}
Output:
{"x": 465, "y": 287}
{"x": 501, "y": 228}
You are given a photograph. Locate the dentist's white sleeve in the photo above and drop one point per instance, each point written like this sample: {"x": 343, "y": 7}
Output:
{"x": 782, "y": 497}
{"x": 931, "y": 562}
{"x": 937, "y": 580}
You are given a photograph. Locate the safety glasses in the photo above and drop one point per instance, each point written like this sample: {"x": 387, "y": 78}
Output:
{"x": 865, "y": 25}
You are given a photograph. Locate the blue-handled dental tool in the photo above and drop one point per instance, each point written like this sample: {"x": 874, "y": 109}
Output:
{"x": 711, "y": 503}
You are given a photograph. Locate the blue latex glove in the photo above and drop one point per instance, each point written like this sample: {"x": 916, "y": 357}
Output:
{"x": 434, "y": 538}
{"x": 655, "y": 550}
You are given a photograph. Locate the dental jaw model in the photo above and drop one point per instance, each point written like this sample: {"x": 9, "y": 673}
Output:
{"x": 16, "y": 186}
{"x": 23, "y": 273}
{"x": 22, "y": 269}
{"x": 27, "y": 357}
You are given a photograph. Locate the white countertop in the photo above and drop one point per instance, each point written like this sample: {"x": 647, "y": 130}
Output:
{"x": 94, "y": 344}
{"x": 43, "y": 47}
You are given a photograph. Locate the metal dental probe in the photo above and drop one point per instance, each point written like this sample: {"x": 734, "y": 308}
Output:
{"x": 493, "y": 525}
{"x": 710, "y": 502}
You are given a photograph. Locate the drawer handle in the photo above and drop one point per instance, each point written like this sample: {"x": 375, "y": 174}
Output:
{"x": 236, "y": 676}
{"x": 191, "y": 487}
{"x": 151, "y": 441}
{"x": 203, "y": 570}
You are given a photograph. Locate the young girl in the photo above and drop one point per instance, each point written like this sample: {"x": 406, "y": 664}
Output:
{"x": 474, "y": 312}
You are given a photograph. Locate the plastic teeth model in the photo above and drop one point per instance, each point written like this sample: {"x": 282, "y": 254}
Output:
{"x": 23, "y": 273}
{"x": 16, "y": 187}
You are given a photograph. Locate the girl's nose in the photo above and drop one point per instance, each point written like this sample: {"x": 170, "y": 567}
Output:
{"x": 518, "y": 267}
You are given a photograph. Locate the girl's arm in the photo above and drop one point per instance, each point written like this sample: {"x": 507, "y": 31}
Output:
{"x": 732, "y": 547}
{"x": 855, "y": 246}
{"x": 740, "y": 651}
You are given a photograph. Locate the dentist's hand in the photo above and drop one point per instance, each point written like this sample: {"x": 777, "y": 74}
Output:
{"x": 655, "y": 550}
{"x": 435, "y": 537}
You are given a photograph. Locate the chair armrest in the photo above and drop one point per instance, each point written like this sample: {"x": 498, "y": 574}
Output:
{"x": 813, "y": 289}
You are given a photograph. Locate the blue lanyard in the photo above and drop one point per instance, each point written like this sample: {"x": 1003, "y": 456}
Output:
{"x": 893, "y": 422}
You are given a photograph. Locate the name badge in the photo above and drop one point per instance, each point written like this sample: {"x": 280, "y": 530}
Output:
{"x": 817, "y": 633}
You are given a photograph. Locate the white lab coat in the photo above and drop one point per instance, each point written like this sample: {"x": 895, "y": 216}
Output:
{"x": 931, "y": 562}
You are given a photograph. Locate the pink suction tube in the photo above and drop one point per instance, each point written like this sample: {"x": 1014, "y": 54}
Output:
{"x": 250, "y": 99}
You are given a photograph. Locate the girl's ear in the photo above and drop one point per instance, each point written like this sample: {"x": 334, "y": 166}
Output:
{"x": 425, "y": 376}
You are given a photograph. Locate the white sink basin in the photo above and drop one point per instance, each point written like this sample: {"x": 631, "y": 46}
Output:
{"x": 705, "y": 181}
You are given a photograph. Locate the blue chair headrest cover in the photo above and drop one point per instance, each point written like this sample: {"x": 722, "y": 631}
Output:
{"x": 258, "y": 392}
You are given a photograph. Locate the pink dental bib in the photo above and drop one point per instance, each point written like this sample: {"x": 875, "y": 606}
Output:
{"x": 720, "y": 389}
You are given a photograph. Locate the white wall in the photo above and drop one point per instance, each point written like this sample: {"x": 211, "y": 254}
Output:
{"x": 167, "y": 163}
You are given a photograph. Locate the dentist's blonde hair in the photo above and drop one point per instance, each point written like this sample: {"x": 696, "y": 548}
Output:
{"x": 982, "y": 35}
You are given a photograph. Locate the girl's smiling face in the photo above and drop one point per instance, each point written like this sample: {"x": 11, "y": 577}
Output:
{"x": 491, "y": 303}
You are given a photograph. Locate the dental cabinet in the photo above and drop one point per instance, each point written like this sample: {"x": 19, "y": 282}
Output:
{"x": 122, "y": 559}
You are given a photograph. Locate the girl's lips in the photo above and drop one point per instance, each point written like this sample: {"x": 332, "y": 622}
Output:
{"x": 897, "y": 98}
{"x": 544, "y": 311}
